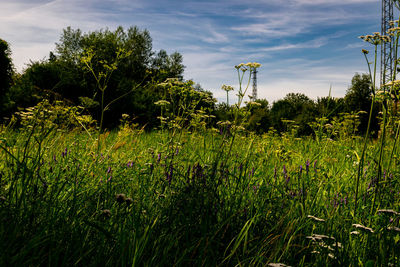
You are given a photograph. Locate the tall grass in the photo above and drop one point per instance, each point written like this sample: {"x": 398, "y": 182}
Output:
{"x": 145, "y": 201}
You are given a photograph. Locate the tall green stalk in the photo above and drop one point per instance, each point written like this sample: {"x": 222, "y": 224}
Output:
{"x": 361, "y": 165}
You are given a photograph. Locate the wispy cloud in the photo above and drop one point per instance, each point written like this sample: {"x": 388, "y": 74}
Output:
{"x": 303, "y": 44}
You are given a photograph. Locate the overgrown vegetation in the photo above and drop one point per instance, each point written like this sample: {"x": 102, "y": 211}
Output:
{"x": 299, "y": 183}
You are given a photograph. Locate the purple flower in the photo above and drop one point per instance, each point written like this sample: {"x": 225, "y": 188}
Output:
{"x": 307, "y": 166}
{"x": 287, "y": 178}
{"x": 109, "y": 170}
{"x": 255, "y": 188}
{"x": 169, "y": 174}
{"x": 159, "y": 157}
{"x": 301, "y": 169}
{"x": 252, "y": 172}
{"x": 64, "y": 153}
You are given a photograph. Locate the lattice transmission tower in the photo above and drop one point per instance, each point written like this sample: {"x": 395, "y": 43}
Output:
{"x": 254, "y": 85}
{"x": 387, "y": 55}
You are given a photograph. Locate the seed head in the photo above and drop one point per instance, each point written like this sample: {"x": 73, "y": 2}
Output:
{"x": 277, "y": 265}
{"x": 364, "y": 228}
{"x": 106, "y": 213}
{"x": 315, "y": 218}
{"x": 129, "y": 201}
{"x": 389, "y": 212}
{"x": 365, "y": 51}
{"x": 393, "y": 228}
{"x": 227, "y": 88}
{"x": 120, "y": 198}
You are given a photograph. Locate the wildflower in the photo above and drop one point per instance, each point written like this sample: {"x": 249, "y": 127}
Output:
{"x": 395, "y": 82}
{"x": 227, "y": 88}
{"x": 393, "y": 228}
{"x": 330, "y": 255}
{"x": 365, "y": 51}
{"x": 241, "y": 167}
{"x": 253, "y": 64}
{"x": 315, "y": 218}
{"x": 162, "y": 103}
{"x": 277, "y": 265}
{"x": 301, "y": 169}
{"x": 109, "y": 170}
{"x": 362, "y": 227}
{"x": 307, "y": 166}
{"x": 253, "y": 103}
{"x": 120, "y": 198}
{"x": 159, "y": 157}
{"x": 390, "y": 212}
{"x": 316, "y": 237}
{"x": 252, "y": 172}
{"x": 64, "y": 153}
{"x": 169, "y": 174}
{"x": 239, "y": 66}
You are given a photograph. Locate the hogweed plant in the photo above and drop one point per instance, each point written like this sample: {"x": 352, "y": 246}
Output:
{"x": 102, "y": 70}
{"x": 376, "y": 40}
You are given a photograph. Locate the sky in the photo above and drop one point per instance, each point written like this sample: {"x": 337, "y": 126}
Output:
{"x": 304, "y": 46}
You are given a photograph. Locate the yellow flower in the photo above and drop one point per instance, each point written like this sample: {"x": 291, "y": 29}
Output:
{"x": 227, "y": 88}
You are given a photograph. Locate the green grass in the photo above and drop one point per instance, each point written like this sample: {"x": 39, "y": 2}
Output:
{"x": 193, "y": 199}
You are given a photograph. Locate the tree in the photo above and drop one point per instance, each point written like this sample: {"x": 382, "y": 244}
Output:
{"x": 259, "y": 120}
{"x": 297, "y": 107}
{"x": 358, "y": 98}
{"x": 359, "y": 95}
{"x": 6, "y": 74}
{"x": 65, "y": 74}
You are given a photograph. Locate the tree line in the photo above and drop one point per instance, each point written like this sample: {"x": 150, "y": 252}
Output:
{"x": 124, "y": 63}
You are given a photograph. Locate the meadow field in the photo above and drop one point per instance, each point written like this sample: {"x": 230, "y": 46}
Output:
{"x": 199, "y": 198}
{"x": 108, "y": 157}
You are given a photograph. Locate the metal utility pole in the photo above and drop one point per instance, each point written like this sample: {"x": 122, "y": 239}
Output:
{"x": 386, "y": 52}
{"x": 255, "y": 84}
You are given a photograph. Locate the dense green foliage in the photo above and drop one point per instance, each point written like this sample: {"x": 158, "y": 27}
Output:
{"x": 130, "y": 72}
{"x": 65, "y": 77}
{"x": 6, "y": 74}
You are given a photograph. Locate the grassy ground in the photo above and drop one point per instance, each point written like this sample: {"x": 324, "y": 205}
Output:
{"x": 165, "y": 198}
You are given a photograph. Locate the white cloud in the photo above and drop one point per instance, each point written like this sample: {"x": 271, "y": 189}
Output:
{"x": 212, "y": 36}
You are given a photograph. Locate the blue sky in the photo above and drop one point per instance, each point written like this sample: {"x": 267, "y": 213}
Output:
{"x": 304, "y": 46}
